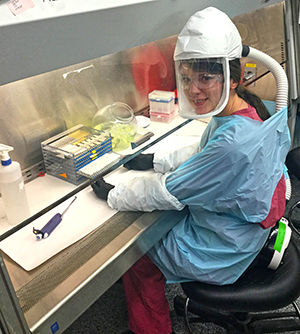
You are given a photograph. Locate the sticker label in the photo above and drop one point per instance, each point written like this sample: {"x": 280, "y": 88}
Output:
{"x": 19, "y": 6}
{"x": 250, "y": 74}
{"x": 54, "y": 328}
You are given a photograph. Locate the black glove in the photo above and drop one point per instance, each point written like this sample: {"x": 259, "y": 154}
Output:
{"x": 102, "y": 188}
{"x": 140, "y": 162}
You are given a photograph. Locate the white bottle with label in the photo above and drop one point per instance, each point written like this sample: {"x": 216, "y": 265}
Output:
{"x": 12, "y": 188}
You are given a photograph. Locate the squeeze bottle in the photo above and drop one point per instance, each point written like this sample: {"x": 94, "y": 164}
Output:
{"x": 12, "y": 188}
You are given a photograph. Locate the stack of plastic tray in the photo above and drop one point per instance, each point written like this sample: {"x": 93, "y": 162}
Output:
{"x": 67, "y": 152}
{"x": 162, "y": 106}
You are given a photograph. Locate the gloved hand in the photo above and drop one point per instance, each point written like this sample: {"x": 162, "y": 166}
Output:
{"x": 140, "y": 162}
{"x": 102, "y": 188}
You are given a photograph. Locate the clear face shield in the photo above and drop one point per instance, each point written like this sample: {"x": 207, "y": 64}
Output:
{"x": 203, "y": 86}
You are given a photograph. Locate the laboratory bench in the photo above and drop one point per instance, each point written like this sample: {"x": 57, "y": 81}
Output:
{"x": 45, "y": 293}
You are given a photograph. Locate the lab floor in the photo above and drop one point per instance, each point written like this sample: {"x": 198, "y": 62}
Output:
{"x": 108, "y": 314}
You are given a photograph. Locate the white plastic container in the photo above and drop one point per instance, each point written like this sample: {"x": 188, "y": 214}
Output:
{"x": 162, "y": 101}
{"x": 12, "y": 188}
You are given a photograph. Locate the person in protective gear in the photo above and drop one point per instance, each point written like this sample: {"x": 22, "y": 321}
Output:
{"x": 232, "y": 183}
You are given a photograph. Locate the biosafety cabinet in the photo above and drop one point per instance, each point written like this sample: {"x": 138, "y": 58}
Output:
{"x": 62, "y": 61}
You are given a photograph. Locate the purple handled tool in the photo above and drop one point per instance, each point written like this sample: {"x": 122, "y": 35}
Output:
{"x": 51, "y": 225}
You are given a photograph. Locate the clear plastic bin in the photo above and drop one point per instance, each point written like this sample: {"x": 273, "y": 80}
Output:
{"x": 162, "y": 101}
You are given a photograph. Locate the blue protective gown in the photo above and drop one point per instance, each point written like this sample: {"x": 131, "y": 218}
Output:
{"x": 227, "y": 187}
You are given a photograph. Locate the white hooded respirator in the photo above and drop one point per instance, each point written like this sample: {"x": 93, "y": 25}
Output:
{"x": 204, "y": 48}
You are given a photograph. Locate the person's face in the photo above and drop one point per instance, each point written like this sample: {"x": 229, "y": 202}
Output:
{"x": 202, "y": 89}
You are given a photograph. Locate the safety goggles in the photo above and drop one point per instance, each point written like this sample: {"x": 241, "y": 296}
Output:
{"x": 201, "y": 73}
{"x": 201, "y": 80}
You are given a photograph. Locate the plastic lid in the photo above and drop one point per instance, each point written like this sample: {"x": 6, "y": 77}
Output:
{"x": 161, "y": 95}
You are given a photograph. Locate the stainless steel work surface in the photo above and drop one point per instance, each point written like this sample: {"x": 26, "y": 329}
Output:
{"x": 58, "y": 291}
{"x": 67, "y": 284}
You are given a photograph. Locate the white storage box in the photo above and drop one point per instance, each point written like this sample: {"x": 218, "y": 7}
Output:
{"x": 162, "y": 101}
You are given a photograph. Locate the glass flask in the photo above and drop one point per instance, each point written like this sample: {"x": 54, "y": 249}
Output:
{"x": 118, "y": 119}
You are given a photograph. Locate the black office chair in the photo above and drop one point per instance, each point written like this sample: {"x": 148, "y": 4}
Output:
{"x": 293, "y": 162}
{"x": 237, "y": 307}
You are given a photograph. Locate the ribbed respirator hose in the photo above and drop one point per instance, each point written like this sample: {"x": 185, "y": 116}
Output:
{"x": 275, "y": 68}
